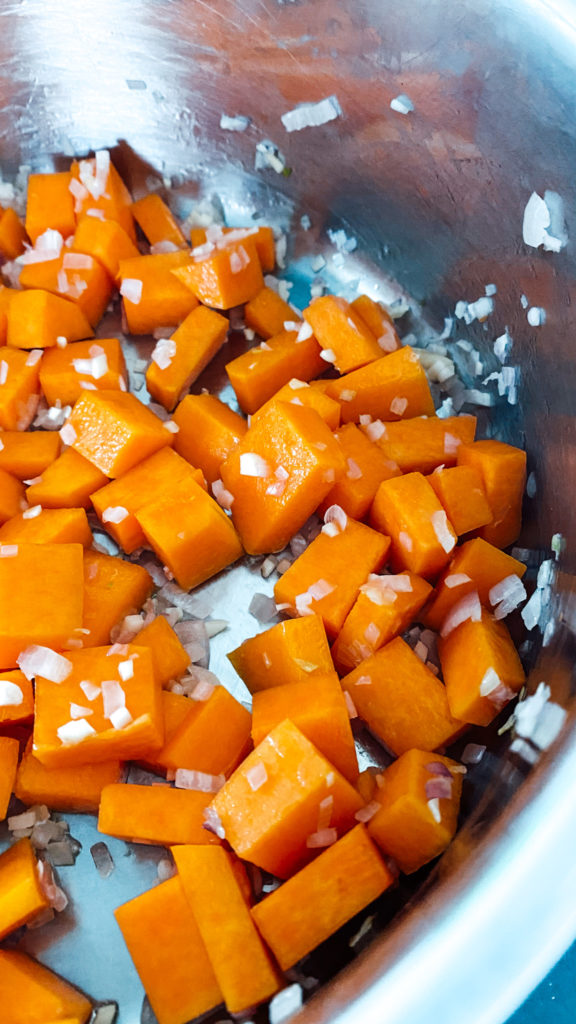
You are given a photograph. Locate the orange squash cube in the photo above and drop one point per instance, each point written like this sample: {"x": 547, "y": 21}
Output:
{"x": 49, "y": 526}
{"x": 19, "y": 388}
{"x": 327, "y": 576}
{"x": 49, "y": 204}
{"x": 461, "y": 493}
{"x": 213, "y": 738}
{"x": 16, "y": 700}
{"x": 299, "y": 392}
{"x": 178, "y": 361}
{"x": 12, "y": 235}
{"x": 278, "y": 475}
{"x": 9, "y": 750}
{"x": 67, "y": 483}
{"x": 32, "y": 994}
{"x": 154, "y": 297}
{"x": 59, "y": 789}
{"x": 378, "y": 321}
{"x": 262, "y": 238}
{"x": 226, "y": 277}
{"x": 407, "y": 509}
{"x": 314, "y": 903}
{"x": 175, "y": 708}
{"x": 257, "y": 375}
{"x": 114, "y": 430}
{"x": 22, "y": 897}
{"x": 113, "y": 589}
{"x": 169, "y": 657}
{"x": 403, "y": 703}
{"x": 157, "y": 221}
{"x": 106, "y": 241}
{"x": 28, "y": 453}
{"x": 366, "y": 468}
{"x": 107, "y": 194}
{"x": 389, "y": 388}
{"x": 120, "y": 716}
{"x": 267, "y": 313}
{"x": 294, "y": 651}
{"x": 419, "y": 798}
{"x": 279, "y": 799}
{"x": 208, "y": 432}
{"x": 36, "y": 319}
{"x": 426, "y": 442}
{"x": 503, "y": 471}
{"x": 154, "y": 814}
{"x": 74, "y": 276}
{"x": 343, "y": 335}
{"x": 6, "y": 295}
{"x": 41, "y": 597}
{"x": 93, "y": 365}
{"x": 11, "y": 496}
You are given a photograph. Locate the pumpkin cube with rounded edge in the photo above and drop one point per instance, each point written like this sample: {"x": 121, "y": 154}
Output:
{"x": 213, "y": 738}
{"x": 106, "y": 191}
{"x": 114, "y": 430}
{"x": 169, "y": 656}
{"x": 299, "y": 392}
{"x": 154, "y": 814}
{"x": 13, "y": 235}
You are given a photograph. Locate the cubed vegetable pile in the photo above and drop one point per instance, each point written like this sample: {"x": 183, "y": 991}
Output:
{"x": 337, "y": 419}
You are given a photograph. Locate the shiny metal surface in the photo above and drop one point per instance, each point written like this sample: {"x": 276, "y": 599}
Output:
{"x": 436, "y": 200}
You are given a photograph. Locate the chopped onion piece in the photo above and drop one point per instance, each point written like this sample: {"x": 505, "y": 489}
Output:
{"x": 90, "y": 690}
{"x": 328, "y": 355}
{"x": 405, "y": 540}
{"x": 311, "y": 115}
{"x": 121, "y": 718}
{"x": 237, "y": 123}
{"x": 366, "y": 813}
{"x": 11, "y": 694}
{"x": 68, "y": 434}
{"x": 285, "y": 1004}
{"x": 372, "y": 634}
{"x": 8, "y": 550}
{"x": 353, "y": 472}
{"x": 439, "y": 788}
{"x": 352, "y": 712}
{"x": 102, "y": 858}
{"x": 252, "y": 464}
{"x": 440, "y": 524}
{"x": 506, "y": 596}
{"x": 213, "y": 824}
{"x": 304, "y": 333}
{"x": 201, "y": 782}
{"x": 456, "y": 579}
{"x": 75, "y": 732}
{"x": 113, "y": 697}
{"x": 398, "y": 406}
{"x": 33, "y": 512}
{"x": 336, "y": 515}
{"x": 164, "y": 352}
{"x": 402, "y": 104}
{"x": 42, "y": 661}
{"x": 468, "y": 608}
{"x": 324, "y": 837}
{"x": 126, "y": 670}
{"x": 325, "y": 810}
{"x": 115, "y": 514}
{"x": 347, "y": 395}
{"x": 435, "y": 811}
{"x": 77, "y": 711}
{"x": 375, "y": 430}
{"x": 224, "y": 498}
{"x": 131, "y": 289}
{"x": 256, "y": 776}
{"x": 473, "y": 753}
{"x": 536, "y": 316}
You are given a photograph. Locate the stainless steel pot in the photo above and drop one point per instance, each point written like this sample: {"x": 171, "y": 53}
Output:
{"x": 436, "y": 198}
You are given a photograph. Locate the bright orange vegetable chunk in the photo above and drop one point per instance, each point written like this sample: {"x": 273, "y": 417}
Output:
{"x": 67, "y": 483}
{"x": 32, "y": 994}
{"x": 390, "y": 388}
{"x": 111, "y": 196}
{"x": 379, "y": 321}
{"x": 411, "y": 826}
{"x": 327, "y": 576}
{"x": 241, "y": 962}
{"x": 113, "y": 589}
{"x": 164, "y": 300}
{"x": 64, "y": 372}
{"x": 97, "y": 736}
{"x": 157, "y": 220}
{"x": 60, "y": 789}
{"x": 262, "y": 238}
{"x": 301, "y": 460}
{"x": 6, "y": 295}
{"x": 317, "y": 901}
{"x": 175, "y": 708}
{"x": 41, "y": 597}
{"x": 318, "y": 708}
{"x": 50, "y": 526}
{"x": 28, "y": 453}
{"x": 49, "y": 204}
{"x": 36, "y": 319}
{"x": 343, "y": 335}
{"x": 407, "y": 509}
{"x": 461, "y": 492}
{"x": 74, "y": 276}
{"x": 213, "y": 738}
{"x": 299, "y": 392}
{"x": 426, "y": 442}
{"x": 366, "y": 468}
{"x": 11, "y": 496}
{"x": 267, "y": 313}
{"x": 379, "y": 613}
{"x": 190, "y": 349}
{"x": 208, "y": 432}
{"x": 477, "y": 565}
{"x": 291, "y": 652}
{"x": 257, "y": 374}
{"x": 21, "y": 711}
{"x": 279, "y": 797}
{"x": 154, "y": 814}
{"x": 115, "y": 431}
{"x": 226, "y": 277}
{"x": 21, "y": 895}
{"x": 169, "y": 657}
{"x": 106, "y": 240}
{"x": 19, "y": 390}
{"x": 503, "y": 471}
{"x": 9, "y": 750}
{"x": 174, "y": 968}
{"x": 401, "y": 700}
{"x": 481, "y": 669}
{"x": 12, "y": 235}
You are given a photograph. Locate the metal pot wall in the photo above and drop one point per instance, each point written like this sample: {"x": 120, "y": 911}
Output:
{"x": 436, "y": 198}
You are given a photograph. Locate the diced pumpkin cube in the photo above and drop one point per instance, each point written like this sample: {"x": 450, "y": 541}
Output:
{"x": 67, "y": 483}
{"x": 257, "y": 374}
{"x": 113, "y": 589}
{"x": 461, "y": 493}
{"x": 278, "y": 475}
{"x": 299, "y": 392}
{"x": 366, "y": 468}
{"x": 36, "y": 319}
{"x": 401, "y": 700}
{"x": 6, "y": 295}
{"x": 346, "y": 339}
{"x": 314, "y": 903}
{"x": 16, "y": 699}
{"x": 280, "y": 798}
{"x": 208, "y": 432}
{"x": 318, "y": 708}
{"x": 157, "y": 221}
{"x": 123, "y": 720}
{"x": 213, "y": 738}
{"x": 175, "y": 708}
{"x": 60, "y": 789}
{"x": 424, "y": 443}
{"x": 290, "y": 652}
{"x": 164, "y": 473}
{"x": 114, "y": 430}
{"x": 21, "y": 894}
{"x": 389, "y": 388}
{"x": 178, "y": 361}
{"x": 169, "y": 657}
{"x": 106, "y": 241}
{"x": 9, "y": 750}
{"x": 245, "y": 971}
{"x": 154, "y": 297}
{"x": 86, "y": 365}
{"x": 74, "y": 276}
{"x": 32, "y": 994}
{"x": 476, "y": 566}
{"x": 224, "y": 278}
{"x": 385, "y": 607}
{"x": 419, "y": 798}
{"x": 407, "y": 509}
{"x": 367, "y": 785}
{"x": 19, "y": 388}
{"x": 262, "y": 238}
{"x": 267, "y": 313}
{"x": 481, "y": 669}
{"x": 110, "y": 196}
{"x": 41, "y": 597}
{"x": 154, "y": 814}
{"x": 49, "y": 526}
{"x": 28, "y": 453}
{"x": 503, "y": 471}
{"x": 327, "y": 576}
{"x": 12, "y": 235}
{"x": 11, "y": 496}
{"x": 378, "y": 321}
{"x": 49, "y": 204}
{"x": 174, "y": 969}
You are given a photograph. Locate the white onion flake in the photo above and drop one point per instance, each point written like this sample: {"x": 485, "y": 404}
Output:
{"x": 44, "y": 662}
{"x": 74, "y": 732}
{"x": 115, "y": 514}
{"x": 440, "y": 525}
{"x": 252, "y": 464}
{"x": 11, "y": 694}
{"x": 324, "y": 837}
{"x": 256, "y": 776}
{"x": 201, "y": 782}
{"x": 131, "y": 289}
{"x": 506, "y": 595}
{"x": 468, "y": 608}
{"x": 311, "y": 115}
